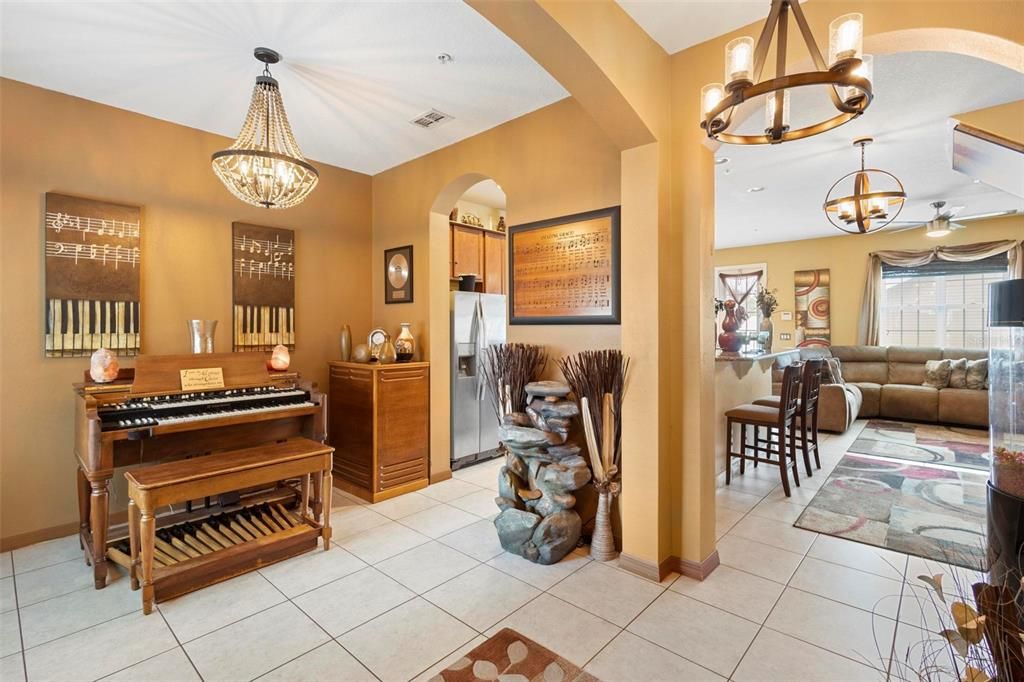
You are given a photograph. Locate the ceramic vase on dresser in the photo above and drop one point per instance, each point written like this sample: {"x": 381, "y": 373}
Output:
{"x": 405, "y": 344}
{"x": 346, "y": 343}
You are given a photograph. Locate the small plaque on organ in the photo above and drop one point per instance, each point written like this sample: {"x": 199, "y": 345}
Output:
{"x": 201, "y": 378}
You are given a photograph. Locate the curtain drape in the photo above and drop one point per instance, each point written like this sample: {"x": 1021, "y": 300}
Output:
{"x": 869, "y": 327}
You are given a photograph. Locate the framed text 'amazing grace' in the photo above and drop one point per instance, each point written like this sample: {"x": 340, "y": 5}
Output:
{"x": 566, "y": 270}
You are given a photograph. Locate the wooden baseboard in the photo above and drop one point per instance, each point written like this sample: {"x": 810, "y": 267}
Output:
{"x": 642, "y": 567}
{"x": 440, "y": 476}
{"x": 54, "y": 532}
{"x": 698, "y": 570}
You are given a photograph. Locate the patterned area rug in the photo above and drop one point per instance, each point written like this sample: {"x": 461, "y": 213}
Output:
{"x": 510, "y": 656}
{"x": 925, "y": 443}
{"x": 935, "y": 512}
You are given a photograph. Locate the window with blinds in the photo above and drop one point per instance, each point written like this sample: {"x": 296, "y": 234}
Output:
{"x": 941, "y": 304}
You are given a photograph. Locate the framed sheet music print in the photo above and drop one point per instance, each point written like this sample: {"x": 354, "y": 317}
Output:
{"x": 263, "y": 287}
{"x": 566, "y": 270}
{"x": 92, "y": 263}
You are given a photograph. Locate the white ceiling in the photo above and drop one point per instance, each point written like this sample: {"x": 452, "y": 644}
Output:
{"x": 354, "y": 73}
{"x": 915, "y": 94}
{"x": 486, "y": 193}
{"x": 679, "y": 24}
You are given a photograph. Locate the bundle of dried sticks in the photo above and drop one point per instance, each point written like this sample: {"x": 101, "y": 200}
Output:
{"x": 598, "y": 378}
{"x": 508, "y": 367}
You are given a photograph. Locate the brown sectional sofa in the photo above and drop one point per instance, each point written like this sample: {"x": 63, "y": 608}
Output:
{"x": 886, "y": 381}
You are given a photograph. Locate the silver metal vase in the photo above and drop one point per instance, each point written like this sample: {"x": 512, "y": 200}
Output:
{"x": 201, "y": 334}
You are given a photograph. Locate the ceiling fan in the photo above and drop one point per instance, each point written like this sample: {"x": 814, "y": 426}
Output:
{"x": 941, "y": 223}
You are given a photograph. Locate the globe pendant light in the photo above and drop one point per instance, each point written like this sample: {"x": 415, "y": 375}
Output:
{"x": 264, "y": 167}
{"x": 876, "y": 199}
{"x": 847, "y": 77}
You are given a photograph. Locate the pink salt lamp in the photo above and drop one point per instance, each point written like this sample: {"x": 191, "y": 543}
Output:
{"x": 103, "y": 366}
{"x": 280, "y": 358}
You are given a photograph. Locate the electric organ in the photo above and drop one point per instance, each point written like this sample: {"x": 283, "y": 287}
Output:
{"x": 145, "y": 417}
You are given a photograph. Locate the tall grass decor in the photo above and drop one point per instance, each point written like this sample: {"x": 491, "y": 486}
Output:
{"x": 507, "y": 368}
{"x": 598, "y": 380}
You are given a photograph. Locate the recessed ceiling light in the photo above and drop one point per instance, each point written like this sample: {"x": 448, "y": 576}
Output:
{"x": 977, "y": 180}
{"x": 720, "y": 160}
{"x": 755, "y": 189}
{"x": 445, "y": 58}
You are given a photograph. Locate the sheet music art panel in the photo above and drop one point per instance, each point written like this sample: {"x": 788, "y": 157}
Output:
{"x": 93, "y": 280}
{"x": 263, "y": 281}
{"x": 566, "y": 270}
{"x": 813, "y": 316}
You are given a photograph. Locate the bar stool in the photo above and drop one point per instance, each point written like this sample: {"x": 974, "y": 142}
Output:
{"x": 807, "y": 413}
{"x": 779, "y": 421}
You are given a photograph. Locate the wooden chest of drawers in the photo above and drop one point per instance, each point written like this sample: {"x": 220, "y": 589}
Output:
{"x": 379, "y": 426}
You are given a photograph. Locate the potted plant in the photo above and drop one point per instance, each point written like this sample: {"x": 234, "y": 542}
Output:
{"x": 767, "y": 303}
{"x": 598, "y": 380}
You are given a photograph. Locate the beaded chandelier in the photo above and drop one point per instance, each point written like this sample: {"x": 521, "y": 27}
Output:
{"x": 265, "y": 167}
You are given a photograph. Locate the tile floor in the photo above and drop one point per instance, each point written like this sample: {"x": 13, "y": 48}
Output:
{"x": 412, "y": 583}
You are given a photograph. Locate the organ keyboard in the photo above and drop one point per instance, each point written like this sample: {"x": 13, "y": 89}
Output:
{"x": 78, "y": 327}
{"x": 151, "y": 419}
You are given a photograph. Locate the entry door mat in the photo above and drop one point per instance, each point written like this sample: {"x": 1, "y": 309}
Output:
{"x": 937, "y": 513}
{"x": 924, "y": 443}
{"x": 510, "y": 656}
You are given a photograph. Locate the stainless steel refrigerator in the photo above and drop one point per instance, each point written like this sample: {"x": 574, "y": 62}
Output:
{"x": 478, "y": 320}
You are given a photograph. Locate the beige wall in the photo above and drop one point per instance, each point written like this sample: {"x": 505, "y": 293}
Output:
{"x": 552, "y": 162}
{"x": 846, "y": 256}
{"x": 54, "y": 142}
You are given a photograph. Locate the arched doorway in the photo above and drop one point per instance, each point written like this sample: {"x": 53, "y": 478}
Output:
{"x": 439, "y": 321}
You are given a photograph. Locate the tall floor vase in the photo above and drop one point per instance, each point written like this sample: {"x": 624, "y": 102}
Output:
{"x": 602, "y": 545}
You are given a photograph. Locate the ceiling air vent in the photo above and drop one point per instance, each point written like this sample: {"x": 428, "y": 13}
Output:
{"x": 431, "y": 119}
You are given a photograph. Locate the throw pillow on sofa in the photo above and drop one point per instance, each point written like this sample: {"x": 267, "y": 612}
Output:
{"x": 831, "y": 371}
{"x": 977, "y": 374}
{"x": 958, "y": 373}
{"x": 936, "y": 373}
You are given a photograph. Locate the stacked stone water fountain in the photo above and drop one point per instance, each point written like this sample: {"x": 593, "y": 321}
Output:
{"x": 541, "y": 471}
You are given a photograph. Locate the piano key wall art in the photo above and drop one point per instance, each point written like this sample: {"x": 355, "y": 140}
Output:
{"x": 93, "y": 276}
{"x": 263, "y": 280}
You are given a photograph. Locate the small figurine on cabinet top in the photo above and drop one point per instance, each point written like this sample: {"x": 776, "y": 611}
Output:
{"x": 501, "y": 223}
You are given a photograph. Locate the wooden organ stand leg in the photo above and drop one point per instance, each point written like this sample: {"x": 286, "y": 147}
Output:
{"x": 326, "y": 483}
{"x": 133, "y": 541}
{"x": 99, "y": 502}
{"x": 147, "y": 538}
{"x": 83, "y": 510}
{"x": 304, "y": 503}
{"x": 318, "y": 490}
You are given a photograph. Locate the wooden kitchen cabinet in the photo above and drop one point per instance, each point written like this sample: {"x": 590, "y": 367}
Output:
{"x": 379, "y": 426}
{"x": 467, "y": 251}
{"x": 481, "y": 252}
{"x": 494, "y": 263}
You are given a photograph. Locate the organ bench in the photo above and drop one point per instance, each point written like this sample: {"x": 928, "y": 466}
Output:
{"x": 219, "y": 552}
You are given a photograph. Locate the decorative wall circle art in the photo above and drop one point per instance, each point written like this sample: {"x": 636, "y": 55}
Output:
{"x": 813, "y": 315}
